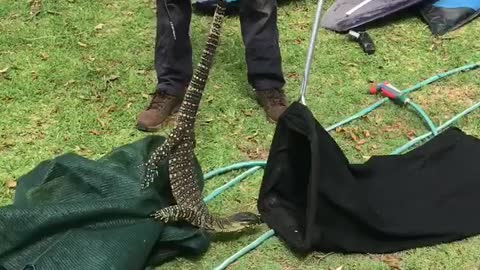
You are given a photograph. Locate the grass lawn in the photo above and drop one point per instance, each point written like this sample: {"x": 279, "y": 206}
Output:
{"x": 74, "y": 77}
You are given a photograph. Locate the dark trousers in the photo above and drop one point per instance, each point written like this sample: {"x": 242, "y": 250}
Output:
{"x": 173, "y": 58}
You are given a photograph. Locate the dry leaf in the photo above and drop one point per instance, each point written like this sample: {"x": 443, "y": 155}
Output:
{"x": 44, "y": 56}
{"x": 340, "y": 129}
{"x": 358, "y": 148}
{"x": 293, "y": 75}
{"x": 11, "y": 184}
{"x": 35, "y": 7}
{"x": 361, "y": 142}
{"x": 321, "y": 256}
{"x": 388, "y": 129}
{"x": 354, "y": 137}
{"x": 94, "y": 132}
{"x": 411, "y": 135}
{"x": 3, "y": 70}
{"x": 69, "y": 82}
{"x": 99, "y": 26}
{"x": 392, "y": 262}
{"x": 112, "y": 78}
{"x": 101, "y": 123}
{"x": 111, "y": 109}
{"x": 34, "y": 75}
{"x": 247, "y": 112}
{"x": 297, "y": 41}
{"x": 366, "y": 133}
{"x": 82, "y": 44}
{"x": 129, "y": 105}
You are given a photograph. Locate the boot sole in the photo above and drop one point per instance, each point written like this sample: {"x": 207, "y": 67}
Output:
{"x": 143, "y": 128}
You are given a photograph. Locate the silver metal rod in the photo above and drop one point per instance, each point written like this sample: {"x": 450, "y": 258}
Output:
{"x": 313, "y": 37}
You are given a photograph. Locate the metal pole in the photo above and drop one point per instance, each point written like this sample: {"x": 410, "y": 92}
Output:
{"x": 311, "y": 46}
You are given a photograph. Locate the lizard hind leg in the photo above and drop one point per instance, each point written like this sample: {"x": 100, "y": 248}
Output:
{"x": 174, "y": 213}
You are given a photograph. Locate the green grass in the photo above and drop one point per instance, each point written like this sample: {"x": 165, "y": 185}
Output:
{"x": 61, "y": 103}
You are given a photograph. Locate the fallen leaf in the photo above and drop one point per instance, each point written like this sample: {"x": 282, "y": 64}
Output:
{"x": 252, "y": 137}
{"x": 354, "y": 137}
{"x": 388, "y": 129}
{"x": 94, "y": 132}
{"x": 411, "y": 135}
{"x": 247, "y": 112}
{"x": 11, "y": 184}
{"x": 112, "y": 78}
{"x": 361, "y": 142}
{"x": 34, "y": 75}
{"x": 140, "y": 72}
{"x": 99, "y": 26}
{"x": 5, "y": 144}
{"x": 35, "y": 7}
{"x": 44, "y": 56}
{"x": 358, "y": 148}
{"x": 293, "y": 75}
{"x": 129, "y": 105}
{"x": 366, "y": 133}
{"x": 392, "y": 262}
{"x": 340, "y": 129}
{"x": 297, "y": 41}
{"x": 339, "y": 268}
{"x": 111, "y": 109}
{"x": 321, "y": 256}
{"x": 216, "y": 86}
{"x": 69, "y": 82}
{"x": 4, "y": 70}
{"x": 82, "y": 44}
{"x": 101, "y": 123}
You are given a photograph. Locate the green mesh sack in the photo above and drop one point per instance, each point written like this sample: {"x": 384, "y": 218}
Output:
{"x": 75, "y": 213}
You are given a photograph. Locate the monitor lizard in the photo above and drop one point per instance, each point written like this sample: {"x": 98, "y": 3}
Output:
{"x": 179, "y": 146}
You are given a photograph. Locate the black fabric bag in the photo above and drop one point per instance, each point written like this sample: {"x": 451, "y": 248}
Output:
{"x": 315, "y": 200}
{"x": 443, "y": 16}
{"x": 75, "y": 213}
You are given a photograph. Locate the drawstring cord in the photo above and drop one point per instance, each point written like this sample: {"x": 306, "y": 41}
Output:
{"x": 170, "y": 20}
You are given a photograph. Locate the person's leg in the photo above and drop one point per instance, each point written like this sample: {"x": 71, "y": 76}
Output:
{"x": 173, "y": 62}
{"x": 258, "y": 20}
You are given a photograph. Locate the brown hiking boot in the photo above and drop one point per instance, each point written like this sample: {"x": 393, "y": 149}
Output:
{"x": 161, "y": 106}
{"x": 273, "y": 102}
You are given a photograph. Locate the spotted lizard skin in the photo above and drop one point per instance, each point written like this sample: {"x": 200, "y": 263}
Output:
{"x": 179, "y": 146}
